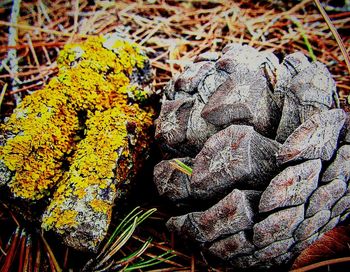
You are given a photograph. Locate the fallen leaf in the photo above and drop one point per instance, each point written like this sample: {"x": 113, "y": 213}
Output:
{"x": 333, "y": 244}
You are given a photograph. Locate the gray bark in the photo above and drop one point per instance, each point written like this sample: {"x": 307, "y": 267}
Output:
{"x": 244, "y": 98}
{"x": 273, "y": 250}
{"x": 341, "y": 206}
{"x": 241, "y": 97}
{"x": 301, "y": 245}
{"x": 345, "y": 133}
{"x": 171, "y": 125}
{"x": 330, "y": 225}
{"x": 198, "y": 129}
{"x": 189, "y": 80}
{"x": 311, "y": 225}
{"x": 231, "y": 246}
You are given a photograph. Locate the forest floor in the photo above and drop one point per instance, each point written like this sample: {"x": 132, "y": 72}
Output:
{"x": 172, "y": 33}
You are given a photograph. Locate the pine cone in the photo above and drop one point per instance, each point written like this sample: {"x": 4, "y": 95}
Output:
{"x": 269, "y": 153}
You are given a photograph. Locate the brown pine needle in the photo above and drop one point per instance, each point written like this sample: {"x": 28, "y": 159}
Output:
{"x": 12, "y": 251}
{"x": 22, "y": 250}
{"x": 4, "y": 88}
{"x": 29, "y": 40}
{"x": 50, "y": 255}
{"x": 48, "y": 31}
{"x": 28, "y": 255}
{"x": 37, "y": 257}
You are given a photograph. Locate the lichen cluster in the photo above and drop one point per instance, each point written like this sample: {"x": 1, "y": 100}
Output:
{"x": 82, "y": 134}
{"x": 41, "y": 132}
{"x": 104, "y": 159}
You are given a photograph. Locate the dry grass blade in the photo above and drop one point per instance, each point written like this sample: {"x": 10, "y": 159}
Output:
{"x": 165, "y": 249}
{"x": 134, "y": 213}
{"x": 132, "y": 256}
{"x": 152, "y": 262}
{"x": 3, "y": 252}
{"x": 335, "y": 34}
{"x": 108, "y": 260}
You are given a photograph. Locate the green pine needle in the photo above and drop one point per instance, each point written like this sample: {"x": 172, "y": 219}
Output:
{"x": 106, "y": 261}
{"x": 303, "y": 34}
{"x": 154, "y": 261}
{"x": 179, "y": 165}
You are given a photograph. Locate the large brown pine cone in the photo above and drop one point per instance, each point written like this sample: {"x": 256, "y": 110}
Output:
{"x": 269, "y": 151}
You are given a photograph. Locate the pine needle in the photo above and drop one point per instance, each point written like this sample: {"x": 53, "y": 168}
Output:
{"x": 179, "y": 165}
{"x": 303, "y": 34}
{"x": 105, "y": 260}
{"x": 50, "y": 254}
{"x": 335, "y": 33}
{"x": 4, "y": 88}
{"x": 10, "y": 254}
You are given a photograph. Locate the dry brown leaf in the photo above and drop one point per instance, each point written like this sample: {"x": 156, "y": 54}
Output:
{"x": 333, "y": 244}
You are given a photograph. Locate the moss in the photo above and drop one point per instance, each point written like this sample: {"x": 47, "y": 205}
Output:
{"x": 44, "y": 132}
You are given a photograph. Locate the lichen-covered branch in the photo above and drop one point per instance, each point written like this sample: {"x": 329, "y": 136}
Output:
{"x": 83, "y": 136}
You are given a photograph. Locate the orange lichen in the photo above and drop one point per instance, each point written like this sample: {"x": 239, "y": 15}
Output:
{"x": 65, "y": 218}
{"x": 80, "y": 119}
{"x": 43, "y": 126}
{"x": 99, "y": 205}
{"x": 103, "y": 155}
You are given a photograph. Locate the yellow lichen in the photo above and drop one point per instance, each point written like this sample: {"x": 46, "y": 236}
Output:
{"x": 65, "y": 218}
{"x": 102, "y": 155}
{"x": 99, "y": 205}
{"x": 43, "y": 126}
{"x": 80, "y": 119}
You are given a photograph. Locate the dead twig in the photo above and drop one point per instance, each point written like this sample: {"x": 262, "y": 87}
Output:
{"x": 12, "y": 41}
